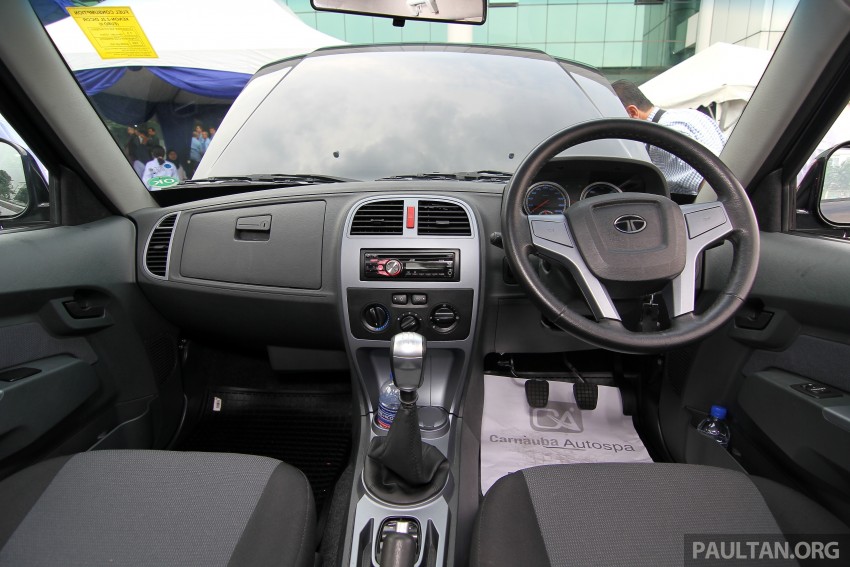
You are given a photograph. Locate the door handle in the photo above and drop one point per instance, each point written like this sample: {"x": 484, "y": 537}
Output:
{"x": 84, "y": 312}
{"x": 84, "y": 309}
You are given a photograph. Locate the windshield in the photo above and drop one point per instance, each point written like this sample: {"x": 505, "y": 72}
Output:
{"x": 376, "y": 114}
{"x": 166, "y": 73}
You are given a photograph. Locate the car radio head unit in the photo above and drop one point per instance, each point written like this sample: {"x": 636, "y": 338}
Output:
{"x": 410, "y": 265}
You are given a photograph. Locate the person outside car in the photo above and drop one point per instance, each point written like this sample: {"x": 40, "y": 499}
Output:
{"x": 205, "y": 142}
{"x": 682, "y": 180}
{"x": 158, "y": 167}
{"x": 175, "y": 159}
{"x": 196, "y": 151}
{"x": 137, "y": 149}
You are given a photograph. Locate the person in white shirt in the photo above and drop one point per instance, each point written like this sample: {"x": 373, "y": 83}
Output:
{"x": 158, "y": 167}
{"x": 682, "y": 179}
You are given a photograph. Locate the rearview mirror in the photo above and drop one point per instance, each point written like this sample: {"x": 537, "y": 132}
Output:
{"x": 447, "y": 11}
{"x": 834, "y": 199}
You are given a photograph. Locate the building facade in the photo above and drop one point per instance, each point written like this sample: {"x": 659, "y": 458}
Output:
{"x": 634, "y": 39}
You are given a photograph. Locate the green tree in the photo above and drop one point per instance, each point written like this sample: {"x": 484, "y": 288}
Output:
{"x": 5, "y": 184}
{"x": 22, "y": 195}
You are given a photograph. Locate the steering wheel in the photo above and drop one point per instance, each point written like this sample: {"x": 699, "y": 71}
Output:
{"x": 632, "y": 244}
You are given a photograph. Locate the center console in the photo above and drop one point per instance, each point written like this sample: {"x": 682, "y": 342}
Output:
{"x": 409, "y": 264}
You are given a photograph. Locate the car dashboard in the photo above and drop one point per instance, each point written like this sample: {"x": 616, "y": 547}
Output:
{"x": 318, "y": 267}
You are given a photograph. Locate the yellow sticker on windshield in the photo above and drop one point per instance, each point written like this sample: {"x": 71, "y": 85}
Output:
{"x": 114, "y": 32}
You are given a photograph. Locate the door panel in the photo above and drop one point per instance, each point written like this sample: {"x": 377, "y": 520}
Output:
{"x": 45, "y": 392}
{"x": 107, "y": 363}
{"x": 794, "y": 330}
{"x": 812, "y": 432}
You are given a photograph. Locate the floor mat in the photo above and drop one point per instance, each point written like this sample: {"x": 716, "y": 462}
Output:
{"x": 515, "y": 436}
{"x": 308, "y": 430}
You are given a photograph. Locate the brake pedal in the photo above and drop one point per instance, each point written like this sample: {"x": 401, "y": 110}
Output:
{"x": 537, "y": 392}
{"x": 587, "y": 395}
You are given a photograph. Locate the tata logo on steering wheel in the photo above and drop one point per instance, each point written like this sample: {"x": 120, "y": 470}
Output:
{"x": 630, "y": 224}
{"x": 557, "y": 416}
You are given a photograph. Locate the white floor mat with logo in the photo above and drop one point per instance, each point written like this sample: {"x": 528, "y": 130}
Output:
{"x": 516, "y": 436}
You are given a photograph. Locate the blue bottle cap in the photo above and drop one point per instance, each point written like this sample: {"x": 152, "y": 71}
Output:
{"x": 718, "y": 411}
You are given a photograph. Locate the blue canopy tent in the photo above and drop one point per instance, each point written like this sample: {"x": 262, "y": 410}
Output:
{"x": 203, "y": 61}
{"x": 176, "y": 110}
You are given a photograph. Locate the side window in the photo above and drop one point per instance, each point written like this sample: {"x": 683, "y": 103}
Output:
{"x": 823, "y": 185}
{"x": 24, "y": 197}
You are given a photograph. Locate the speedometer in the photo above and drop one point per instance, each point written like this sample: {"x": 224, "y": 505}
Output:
{"x": 546, "y": 198}
{"x": 599, "y": 188}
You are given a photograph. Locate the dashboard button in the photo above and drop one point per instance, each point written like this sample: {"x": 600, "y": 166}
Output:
{"x": 400, "y": 298}
{"x": 409, "y": 322}
{"x": 815, "y": 390}
{"x": 376, "y": 317}
{"x": 393, "y": 267}
{"x": 553, "y": 231}
{"x": 700, "y": 222}
{"x": 444, "y": 318}
{"x": 419, "y": 299}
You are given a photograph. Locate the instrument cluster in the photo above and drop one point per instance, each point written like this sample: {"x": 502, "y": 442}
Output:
{"x": 550, "y": 198}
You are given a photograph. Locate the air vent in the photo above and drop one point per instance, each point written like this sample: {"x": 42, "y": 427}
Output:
{"x": 441, "y": 218}
{"x": 379, "y": 217}
{"x": 156, "y": 255}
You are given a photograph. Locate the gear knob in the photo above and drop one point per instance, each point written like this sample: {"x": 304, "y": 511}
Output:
{"x": 407, "y": 356}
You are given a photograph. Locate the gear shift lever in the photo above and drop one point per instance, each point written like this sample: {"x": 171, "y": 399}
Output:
{"x": 407, "y": 357}
{"x": 400, "y": 468}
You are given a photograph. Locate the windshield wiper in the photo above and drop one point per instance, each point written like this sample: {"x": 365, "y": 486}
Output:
{"x": 269, "y": 179}
{"x": 483, "y": 175}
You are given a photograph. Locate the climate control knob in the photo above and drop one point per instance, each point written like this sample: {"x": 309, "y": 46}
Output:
{"x": 376, "y": 317}
{"x": 444, "y": 318}
{"x": 409, "y": 322}
{"x": 393, "y": 267}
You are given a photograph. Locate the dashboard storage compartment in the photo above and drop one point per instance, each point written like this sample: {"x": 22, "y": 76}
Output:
{"x": 282, "y": 247}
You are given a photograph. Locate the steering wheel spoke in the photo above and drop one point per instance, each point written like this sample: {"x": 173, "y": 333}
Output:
{"x": 553, "y": 240}
{"x": 706, "y": 224}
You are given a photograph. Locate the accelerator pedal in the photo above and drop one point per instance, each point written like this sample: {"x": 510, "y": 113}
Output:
{"x": 587, "y": 395}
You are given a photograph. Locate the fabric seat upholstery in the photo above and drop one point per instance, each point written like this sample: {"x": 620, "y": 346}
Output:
{"x": 630, "y": 514}
{"x": 157, "y": 508}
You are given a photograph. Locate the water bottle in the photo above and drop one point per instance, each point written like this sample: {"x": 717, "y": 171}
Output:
{"x": 388, "y": 404}
{"x": 714, "y": 426}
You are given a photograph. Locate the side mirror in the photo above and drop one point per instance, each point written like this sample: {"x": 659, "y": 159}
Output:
{"x": 834, "y": 195}
{"x": 446, "y": 11}
{"x": 24, "y": 198}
